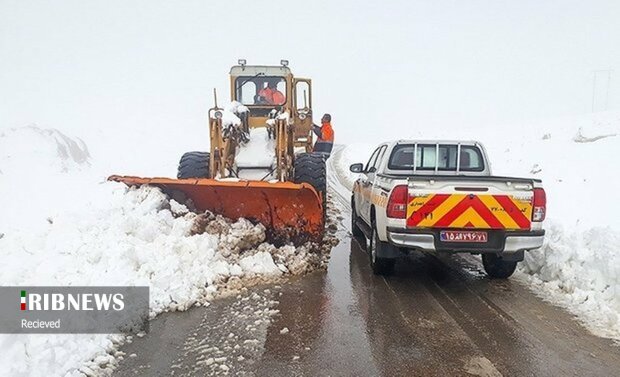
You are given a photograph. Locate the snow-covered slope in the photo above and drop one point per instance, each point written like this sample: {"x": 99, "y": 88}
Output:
{"x": 39, "y": 171}
{"x": 579, "y": 265}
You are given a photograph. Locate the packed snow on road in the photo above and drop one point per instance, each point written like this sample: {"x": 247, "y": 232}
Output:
{"x": 579, "y": 265}
{"x": 69, "y": 226}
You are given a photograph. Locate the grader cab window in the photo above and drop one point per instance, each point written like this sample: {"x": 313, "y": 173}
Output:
{"x": 246, "y": 93}
{"x": 261, "y": 90}
{"x": 302, "y": 90}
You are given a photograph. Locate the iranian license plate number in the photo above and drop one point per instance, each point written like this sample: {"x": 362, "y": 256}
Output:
{"x": 463, "y": 236}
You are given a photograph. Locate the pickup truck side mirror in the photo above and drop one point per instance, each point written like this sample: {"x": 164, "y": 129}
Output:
{"x": 357, "y": 168}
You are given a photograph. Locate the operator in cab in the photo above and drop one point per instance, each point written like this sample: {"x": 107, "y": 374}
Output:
{"x": 325, "y": 135}
{"x": 271, "y": 95}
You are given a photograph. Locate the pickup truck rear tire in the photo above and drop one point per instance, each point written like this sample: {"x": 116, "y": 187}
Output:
{"x": 194, "y": 165}
{"x": 355, "y": 229}
{"x": 380, "y": 266}
{"x": 496, "y": 267}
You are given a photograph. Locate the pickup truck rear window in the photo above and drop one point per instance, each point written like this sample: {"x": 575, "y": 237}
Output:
{"x": 427, "y": 158}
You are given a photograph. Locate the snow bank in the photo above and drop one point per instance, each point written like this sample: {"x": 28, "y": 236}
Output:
{"x": 581, "y": 272}
{"x": 78, "y": 229}
{"x": 351, "y": 154}
{"x": 579, "y": 265}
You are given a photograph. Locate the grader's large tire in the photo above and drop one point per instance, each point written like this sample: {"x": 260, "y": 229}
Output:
{"x": 194, "y": 165}
{"x": 310, "y": 168}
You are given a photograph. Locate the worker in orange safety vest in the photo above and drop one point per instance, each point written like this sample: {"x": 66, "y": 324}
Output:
{"x": 325, "y": 135}
{"x": 271, "y": 95}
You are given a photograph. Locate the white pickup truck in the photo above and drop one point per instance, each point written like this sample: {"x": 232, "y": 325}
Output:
{"x": 440, "y": 196}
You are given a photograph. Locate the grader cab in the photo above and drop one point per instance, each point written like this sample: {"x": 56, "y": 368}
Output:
{"x": 259, "y": 165}
{"x": 248, "y": 83}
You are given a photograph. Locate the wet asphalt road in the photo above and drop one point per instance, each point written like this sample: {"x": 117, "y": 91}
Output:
{"x": 433, "y": 317}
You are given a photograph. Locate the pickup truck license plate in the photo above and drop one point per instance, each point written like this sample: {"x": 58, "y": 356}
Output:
{"x": 462, "y": 236}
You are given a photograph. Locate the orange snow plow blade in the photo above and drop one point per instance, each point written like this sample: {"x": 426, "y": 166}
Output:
{"x": 289, "y": 211}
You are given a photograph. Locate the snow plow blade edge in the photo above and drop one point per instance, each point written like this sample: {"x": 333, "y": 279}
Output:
{"x": 289, "y": 211}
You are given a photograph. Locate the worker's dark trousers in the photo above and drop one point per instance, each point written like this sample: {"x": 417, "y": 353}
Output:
{"x": 323, "y": 147}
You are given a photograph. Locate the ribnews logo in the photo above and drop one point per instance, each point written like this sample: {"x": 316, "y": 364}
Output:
{"x": 60, "y": 301}
{"x": 74, "y": 309}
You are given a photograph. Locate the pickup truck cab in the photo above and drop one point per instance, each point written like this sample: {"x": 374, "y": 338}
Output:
{"x": 440, "y": 196}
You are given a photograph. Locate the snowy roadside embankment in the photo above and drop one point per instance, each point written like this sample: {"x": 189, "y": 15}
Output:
{"x": 68, "y": 226}
{"x": 579, "y": 270}
{"x": 579, "y": 265}
{"x": 351, "y": 154}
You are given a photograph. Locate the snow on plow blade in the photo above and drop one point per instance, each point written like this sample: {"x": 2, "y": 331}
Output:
{"x": 289, "y": 211}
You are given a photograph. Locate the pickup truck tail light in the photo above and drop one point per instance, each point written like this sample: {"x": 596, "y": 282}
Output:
{"x": 397, "y": 203}
{"x": 540, "y": 205}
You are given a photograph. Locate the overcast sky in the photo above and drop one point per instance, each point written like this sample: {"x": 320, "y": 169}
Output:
{"x": 94, "y": 68}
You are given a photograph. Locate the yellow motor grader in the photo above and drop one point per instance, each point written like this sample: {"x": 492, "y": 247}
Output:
{"x": 260, "y": 165}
